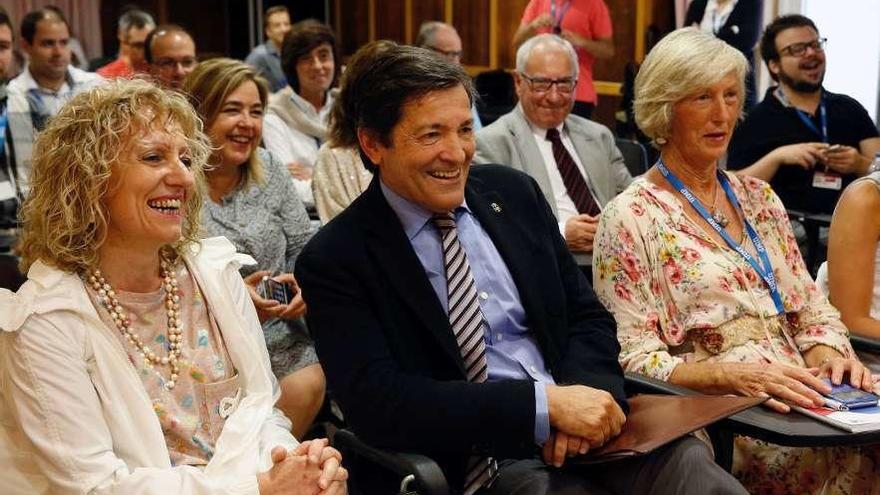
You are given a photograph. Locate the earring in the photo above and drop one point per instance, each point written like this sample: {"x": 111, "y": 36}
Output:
{"x": 660, "y": 141}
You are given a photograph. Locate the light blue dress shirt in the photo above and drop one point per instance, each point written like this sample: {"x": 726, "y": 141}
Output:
{"x": 511, "y": 350}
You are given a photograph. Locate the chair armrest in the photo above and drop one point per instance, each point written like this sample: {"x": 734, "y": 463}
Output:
{"x": 864, "y": 344}
{"x": 637, "y": 383}
{"x": 428, "y": 476}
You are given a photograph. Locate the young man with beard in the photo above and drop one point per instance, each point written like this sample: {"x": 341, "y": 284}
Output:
{"x": 807, "y": 142}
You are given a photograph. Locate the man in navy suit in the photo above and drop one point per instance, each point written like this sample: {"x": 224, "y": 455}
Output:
{"x": 394, "y": 282}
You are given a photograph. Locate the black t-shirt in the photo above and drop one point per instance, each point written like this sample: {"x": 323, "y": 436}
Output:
{"x": 771, "y": 124}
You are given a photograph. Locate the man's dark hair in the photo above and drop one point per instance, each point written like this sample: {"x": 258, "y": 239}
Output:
{"x": 379, "y": 80}
{"x": 162, "y": 30}
{"x": 768, "y": 39}
{"x": 134, "y": 18}
{"x": 278, "y": 9}
{"x": 304, "y": 37}
{"x": 30, "y": 20}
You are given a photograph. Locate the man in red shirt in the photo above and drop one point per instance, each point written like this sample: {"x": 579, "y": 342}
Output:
{"x": 586, "y": 24}
{"x": 134, "y": 26}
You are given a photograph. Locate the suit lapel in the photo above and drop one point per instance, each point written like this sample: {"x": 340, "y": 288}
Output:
{"x": 532, "y": 161}
{"x": 515, "y": 244}
{"x": 586, "y": 148}
{"x": 390, "y": 247}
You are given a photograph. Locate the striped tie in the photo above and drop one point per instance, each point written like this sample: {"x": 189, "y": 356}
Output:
{"x": 466, "y": 321}
{"x": 575, "y": 185}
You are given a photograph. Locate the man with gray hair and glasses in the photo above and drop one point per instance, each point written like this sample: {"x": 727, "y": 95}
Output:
{"x": 134, "y": 26}
{"x": 575, "y": 161}
{"x": 444, "y": 40}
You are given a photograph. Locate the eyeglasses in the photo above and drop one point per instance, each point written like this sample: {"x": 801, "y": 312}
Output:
{"x": 455, "y": 55}
{"x": 543, "y": 85}
{"x": 800, "y": 49}
{"x": 170, "y": 63}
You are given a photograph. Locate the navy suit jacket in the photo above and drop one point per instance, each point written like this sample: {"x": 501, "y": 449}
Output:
{"x": 386, "y": 345}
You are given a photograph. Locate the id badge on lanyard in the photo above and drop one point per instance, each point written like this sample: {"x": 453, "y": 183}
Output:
{"x": 557, "y": 18}
{"x": 822, "y": 179}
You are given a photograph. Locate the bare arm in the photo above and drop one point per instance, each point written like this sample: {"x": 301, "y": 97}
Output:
{"x": 529, "y": 29}
{"x": 806, "y": 155}
{"x": 852, "y": 244}
{"x": 599, "y": 48}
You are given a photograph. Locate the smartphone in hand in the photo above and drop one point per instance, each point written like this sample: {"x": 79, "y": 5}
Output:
{"x": 269, "y": 288}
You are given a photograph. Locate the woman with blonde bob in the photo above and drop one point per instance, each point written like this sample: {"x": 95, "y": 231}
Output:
{"x": 704, "y": 277}
{"x": 253, "y": 203}
{"x": 132, "y": 360}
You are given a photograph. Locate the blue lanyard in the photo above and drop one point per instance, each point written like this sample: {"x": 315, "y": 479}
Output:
{"x": 557, "y": 21}
{"x": 805, "y": 117}
{"x": 4, "y": 119}
{"x": 764, "y": 269}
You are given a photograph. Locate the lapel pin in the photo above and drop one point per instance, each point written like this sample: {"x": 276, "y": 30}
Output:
{"x": 496, "y": 207}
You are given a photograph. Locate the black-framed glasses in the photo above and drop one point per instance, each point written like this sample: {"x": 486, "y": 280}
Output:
{"x": 543, "y": 85}
{"x": 800, "y": 49}
{"x": 450, "y": 54}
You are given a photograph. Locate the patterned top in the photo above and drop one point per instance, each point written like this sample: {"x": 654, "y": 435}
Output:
{"x": 679, "y": 296}
{"x": 192, "y": 414}
{"x": 339, "y": 178}
{"x": 267, "y": 221}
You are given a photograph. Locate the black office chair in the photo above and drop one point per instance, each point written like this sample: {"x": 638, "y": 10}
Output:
{"x": 634, "y": 155}
{"x": 497, "y": 94}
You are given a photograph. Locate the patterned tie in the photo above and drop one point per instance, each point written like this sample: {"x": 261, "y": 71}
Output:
{"x": 574, "y": 181}
{"x": 466, "y": 320}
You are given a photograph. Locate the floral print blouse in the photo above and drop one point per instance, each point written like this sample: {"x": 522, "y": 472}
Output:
{"x": 668, "y": 283}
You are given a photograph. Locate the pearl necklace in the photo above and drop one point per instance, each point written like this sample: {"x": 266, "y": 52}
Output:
{"x": 107, "y": 297}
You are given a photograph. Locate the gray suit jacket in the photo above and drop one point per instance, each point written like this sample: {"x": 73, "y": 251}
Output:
{"x": 509, "y": 141}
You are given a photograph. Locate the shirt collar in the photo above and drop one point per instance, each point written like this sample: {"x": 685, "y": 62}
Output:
{"x": 271, "y": 49}
{"x": 541, "y": 132}
{"x": 413, "y": 217}
{"x": 29, "y": 83}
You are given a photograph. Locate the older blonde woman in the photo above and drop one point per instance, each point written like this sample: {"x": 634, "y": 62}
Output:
{"x": 132, "y": 361}
{"x": 253, "y": 203}
{"x": 703, "y": 274}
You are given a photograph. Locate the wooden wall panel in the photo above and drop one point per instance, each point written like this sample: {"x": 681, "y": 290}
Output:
{"x": 425, "y": 10}
{"x": 623, "y": 15}
{"x": 470, "y": 18}
{"x": 509, "y": 14}
{"x": 390, "y": 20}
{"x": 351, "y": 19}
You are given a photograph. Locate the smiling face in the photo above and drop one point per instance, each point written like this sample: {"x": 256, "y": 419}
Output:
{"x": 314, "y": 70}
{"x": 49, "y": 54}
{"x": 429, "y": 156}
{"x": 550, "y": 108}
{"x": 804, "y": 73}
{"x": 703, "y": 122}
{"x": 149, "y": 186}
{"x": 238, "y": 126}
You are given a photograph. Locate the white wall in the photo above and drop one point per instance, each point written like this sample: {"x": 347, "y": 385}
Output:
{"x": 853, "y": 51}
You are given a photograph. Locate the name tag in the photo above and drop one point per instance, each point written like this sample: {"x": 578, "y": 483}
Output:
{"x": 827, "y": 180}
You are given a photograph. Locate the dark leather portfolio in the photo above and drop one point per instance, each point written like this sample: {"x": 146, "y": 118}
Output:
{"x": 655, "y": 420}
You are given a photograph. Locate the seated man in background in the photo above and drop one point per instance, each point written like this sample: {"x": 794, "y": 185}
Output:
{"x": 446, "y": 307}
{"x": 266, "y": 57}
{"x": 47, "y": 83}
{"x": 807, "y": 142}
{"x": 574, "y": 160}
{"x": 442, "y": 38}
{"x": 134, "y": 26}
{"x": 171, "y": 53}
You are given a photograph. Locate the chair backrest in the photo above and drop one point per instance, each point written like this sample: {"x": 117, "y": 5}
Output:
{"x": 497, "y": 94}
{"x": 634, "y": 155}
{"x": 10, "y": 277}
